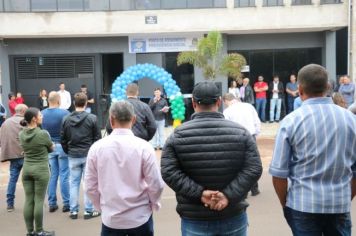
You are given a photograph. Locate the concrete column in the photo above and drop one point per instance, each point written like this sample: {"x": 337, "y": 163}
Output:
{"x": 230, "y": 4}
{"x": 4, "y": 74}
{"x": 353, "y": 42}
{"x": 330, "y": 53}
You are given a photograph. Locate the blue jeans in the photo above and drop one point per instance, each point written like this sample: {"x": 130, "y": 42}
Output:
{"x": 235, "y": 226}
{"x": 291, "y": 104}
{"x": 310, "y": 224}
{"x": 15, "y": 169}
{"x": 275, "y": 102}
{"x": 158, "y": 138}
{"x": 76, "y": 173}
{"x": 58, "y": 163}
{"x": 144, "y": 230}
{"x": 261, "y": 108}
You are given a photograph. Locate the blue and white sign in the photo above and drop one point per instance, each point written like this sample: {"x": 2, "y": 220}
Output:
{"x": 145, "y": 44}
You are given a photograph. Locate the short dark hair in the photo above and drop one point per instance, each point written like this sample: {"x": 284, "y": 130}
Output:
{"x": 157, "y": 89}
{"x": 10, "y": 95}
{"x": 132, "y": 89}
{"x": 80, "y": 99}
{"x": 61, "y": 83}
{"x": 313, "y": 79}
{"x": 275, "y": 76}
{"x": 83, "y": 86}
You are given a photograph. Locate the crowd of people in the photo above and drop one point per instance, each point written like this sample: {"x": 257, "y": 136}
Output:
{"x": 342, "y": 94}
{"x": 211, "y": 162}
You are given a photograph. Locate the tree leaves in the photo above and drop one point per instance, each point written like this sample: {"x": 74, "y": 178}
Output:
{"x": 209, "y": 58}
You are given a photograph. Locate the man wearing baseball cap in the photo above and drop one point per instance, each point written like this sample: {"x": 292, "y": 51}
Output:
{"x": 211, "y": 164}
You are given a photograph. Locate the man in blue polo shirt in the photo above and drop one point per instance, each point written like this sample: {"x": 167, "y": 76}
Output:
{"x": 58, "y": 160}
{"x": 315, "y": 150}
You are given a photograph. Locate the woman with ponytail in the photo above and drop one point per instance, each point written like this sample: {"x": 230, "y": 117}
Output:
{"x": 36, "y": 144}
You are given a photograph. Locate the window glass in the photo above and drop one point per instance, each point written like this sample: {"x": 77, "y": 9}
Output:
{"x": 96, "y": 5}
{"x": 147, "y": 4}
{"x": 17, "y": 5}
{"x": 272, "y": 2}
{"x": 169, "y": 4}
{"x": 44, "y": 5}
{"x": 301, "y": 2}
{"x": 122, "y": 5}
{"x": 70, "y": 5}
{"x": 330, "y": 1}
{"x": 219, "y": 3}
{"x": 200, "y": 3}
{"x": 244, "y": 3}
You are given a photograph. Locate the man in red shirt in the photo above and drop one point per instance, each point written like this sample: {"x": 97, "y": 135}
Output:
{"x": 12, "y": 103}
{"x": 260, "y": 88}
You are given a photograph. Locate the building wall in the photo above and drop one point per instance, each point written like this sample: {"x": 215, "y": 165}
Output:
{"x": 249, "y": 20}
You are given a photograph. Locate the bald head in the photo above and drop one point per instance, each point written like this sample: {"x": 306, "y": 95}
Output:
{"x": 20, "y": 109}
{"x": 54, "y": 99}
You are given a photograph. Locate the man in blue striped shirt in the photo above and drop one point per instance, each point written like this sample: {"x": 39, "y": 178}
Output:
{"x": 316, "y": 150}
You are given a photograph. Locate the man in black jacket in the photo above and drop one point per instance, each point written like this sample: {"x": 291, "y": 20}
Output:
{"x": 145, "y": 125}
{"x": 276, "y": 90}
{"x": 79, "y": 131}
{"x": 211, "y": 163}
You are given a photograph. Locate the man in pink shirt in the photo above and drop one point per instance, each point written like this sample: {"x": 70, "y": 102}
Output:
{"x": 122, "y": 177}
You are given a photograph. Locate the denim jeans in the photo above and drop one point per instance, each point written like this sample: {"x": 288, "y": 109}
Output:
{"x": 158, "y": 138}
{"x": 76, "y": 173}
{"x": 261, "y": 108}
{"x": 144, "y": 230}
{"x": 15, "y": 169}
{"x": 58, "y": 163}
{"x": 235, "y": 226}
{"x": 290, "y": 104}
{"x": 310, "y": 224}
{"x": 275, "y": 102}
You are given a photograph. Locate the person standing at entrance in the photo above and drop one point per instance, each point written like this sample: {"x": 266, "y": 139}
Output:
{"x": 260, "y": 88}
{"x": 292, "y": 92}
{"x": 66, "y": 100}
{"x": 276, "y": 90}
{"x": 12, "y": 103}
{"x": 247, "y": 92}
{"x": 347, "y": 89}
{"x": 315, "y": 153}
{"x": 58, "y": 160}
{"x": 11, "y": 151}
{"x": 159, "y": 107}
{"x": 84, "y": 89}
{"x": 36, "y": 144}
{"x": 79, "y": 131}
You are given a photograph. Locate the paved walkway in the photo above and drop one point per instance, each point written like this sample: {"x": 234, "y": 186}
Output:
{"x": 265, "y": 214}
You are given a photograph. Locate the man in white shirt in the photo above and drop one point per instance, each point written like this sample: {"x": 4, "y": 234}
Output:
{"x": 245, "y": 115}
{"x": 65, "y": 97}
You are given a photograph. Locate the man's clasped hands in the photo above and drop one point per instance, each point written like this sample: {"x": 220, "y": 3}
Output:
{"x": 215, "y": 200}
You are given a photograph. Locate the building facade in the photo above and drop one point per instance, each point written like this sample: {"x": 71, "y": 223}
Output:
{"x": 45, "y": 42}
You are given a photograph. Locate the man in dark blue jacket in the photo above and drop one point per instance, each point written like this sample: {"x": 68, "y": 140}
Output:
{"x": 211, "y": 164}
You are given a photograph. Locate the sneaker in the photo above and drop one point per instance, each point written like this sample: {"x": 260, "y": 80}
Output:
{"x": 53, "y": 208}
{"x": 73, "y": 215}
{"x": 65, "y": 209}
{"x": 31, "y": 234}
{"x": 89, "y": 215}
{"x": 45, "y": 233}
{"x": 271, "y": 121}
{"x": 10, "y": 208}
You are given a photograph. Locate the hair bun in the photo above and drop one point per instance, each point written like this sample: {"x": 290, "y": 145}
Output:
{"x": 23, "y": 122}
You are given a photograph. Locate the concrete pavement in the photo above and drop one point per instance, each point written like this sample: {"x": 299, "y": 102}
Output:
{"x": 265, "y": 214}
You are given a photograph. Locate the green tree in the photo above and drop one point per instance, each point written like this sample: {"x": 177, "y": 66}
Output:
{"x": 210, "y": 59}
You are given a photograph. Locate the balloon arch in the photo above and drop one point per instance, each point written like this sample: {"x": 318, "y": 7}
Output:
{"x": 158, "y": 74}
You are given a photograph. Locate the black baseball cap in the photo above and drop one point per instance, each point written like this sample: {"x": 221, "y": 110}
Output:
{"x": 206, "y": 93}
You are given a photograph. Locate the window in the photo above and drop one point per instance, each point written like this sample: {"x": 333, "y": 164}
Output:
{"x": 245, "y": 3}
{"x": 17, "y": 5}
{"x": 301, "y": 2}
{"x": 122, "y": 5}
{"x": 330, "y": 1}
{"x": 200, "y": 3}
{"x": 147, "y": 4}
{"x": 96, "y": 5}
{"x": 44, "y": 5}
{"x": 70, "y": 5}
{"x": 1, "y": 5}
{"x": 271, "y": 3}
{"x": 169, "y": 4}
